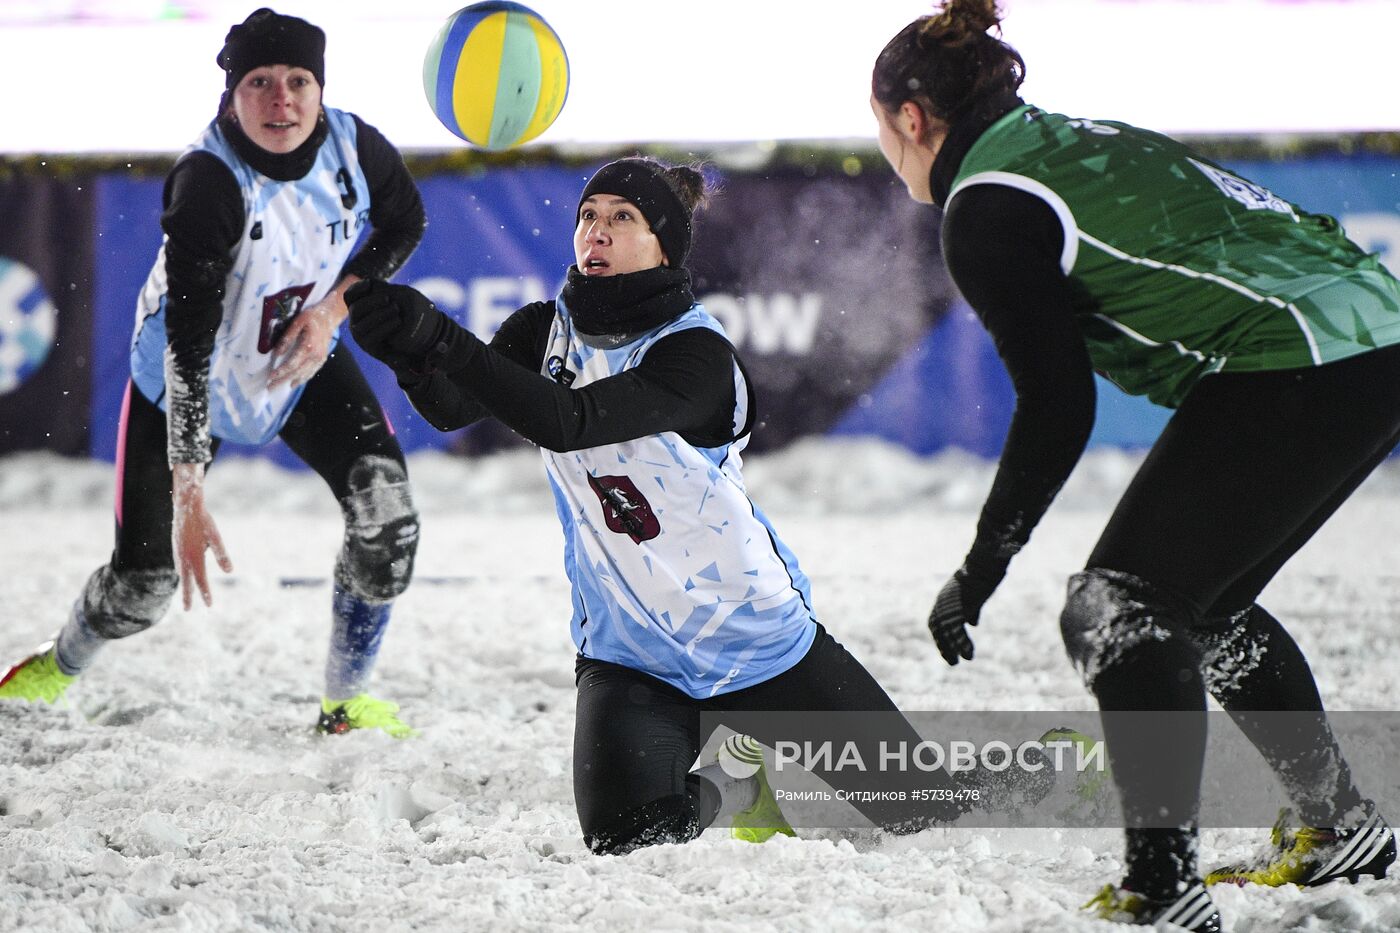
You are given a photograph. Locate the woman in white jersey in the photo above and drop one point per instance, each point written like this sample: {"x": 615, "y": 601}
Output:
{"x": 685, "y": 600}
{"x": 236, "y": 339}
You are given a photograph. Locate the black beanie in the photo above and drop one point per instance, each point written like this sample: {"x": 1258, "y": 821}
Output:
{"x": 268, "y": 38}
{"x": 644, "y": 183}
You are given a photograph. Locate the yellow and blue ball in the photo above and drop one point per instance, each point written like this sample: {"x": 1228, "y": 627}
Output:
{"x": 496, "y": 74}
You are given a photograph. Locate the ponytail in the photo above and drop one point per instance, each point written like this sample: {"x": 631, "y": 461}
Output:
{"x": 949, "y": 62}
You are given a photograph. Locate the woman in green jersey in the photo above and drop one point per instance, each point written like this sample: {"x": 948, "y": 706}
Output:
{"x": 1087, "y": 245}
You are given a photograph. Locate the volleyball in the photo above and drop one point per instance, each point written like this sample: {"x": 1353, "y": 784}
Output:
{"x": 496, "y": 74}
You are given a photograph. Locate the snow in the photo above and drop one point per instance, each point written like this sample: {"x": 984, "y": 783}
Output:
{"x": 183, "y": 788}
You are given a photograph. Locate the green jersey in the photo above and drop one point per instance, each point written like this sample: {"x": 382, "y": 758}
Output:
{"x": 1181, "y": 268}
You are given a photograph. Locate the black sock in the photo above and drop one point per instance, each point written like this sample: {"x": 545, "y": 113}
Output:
{"x": 1152, "y": 703}
{"x": 1257, "y": 673}
{"x": 1161, "y": 862}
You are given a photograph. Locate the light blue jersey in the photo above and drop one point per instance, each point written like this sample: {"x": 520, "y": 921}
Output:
{"x": 296, "y": 238}
{"x": 675, "y": 571}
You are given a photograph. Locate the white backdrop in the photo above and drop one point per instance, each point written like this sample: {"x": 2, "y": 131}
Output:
{"x": 112, "y": 76}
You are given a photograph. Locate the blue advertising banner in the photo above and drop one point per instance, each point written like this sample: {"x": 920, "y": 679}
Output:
{"x": 831, "y": 288}
{"x": 128, "y": 237}
{"x": 822, "y": 284}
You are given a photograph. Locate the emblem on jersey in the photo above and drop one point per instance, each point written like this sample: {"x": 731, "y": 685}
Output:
{"x": 256, "y": 232}
{"x": 625, "y": 509}
{"x": 1255, "y": 197}
{"x": 555, "y": 367}
{"x": 278, "y": 311}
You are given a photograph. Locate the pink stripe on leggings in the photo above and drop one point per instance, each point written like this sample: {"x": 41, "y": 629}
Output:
{"x": 121, "y": 448}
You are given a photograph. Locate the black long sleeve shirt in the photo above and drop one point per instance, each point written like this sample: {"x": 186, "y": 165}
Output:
{"x": 684, "y": 383}
{"x": 1002, "y": 247}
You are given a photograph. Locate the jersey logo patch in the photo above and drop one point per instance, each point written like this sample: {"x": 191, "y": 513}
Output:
{"x": 1255, "y": 197}
{"x": 625, "y": 509}
{"x": 278, "y": 311}
{"x": 256, "y": 232}
{"x": 555, "y": 367}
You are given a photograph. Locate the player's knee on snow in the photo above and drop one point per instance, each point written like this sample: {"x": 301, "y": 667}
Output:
{"x": 671, "y": 819}
{"x": 118, "y": 603}
{"x": 381, "y": 530}
{"x": 1110, "y": 616}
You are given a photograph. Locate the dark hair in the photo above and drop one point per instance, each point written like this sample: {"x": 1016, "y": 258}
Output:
{"x": 947, "y": 63}
{"x": 689, "y": 185}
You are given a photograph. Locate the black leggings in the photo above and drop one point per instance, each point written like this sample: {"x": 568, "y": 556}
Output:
{"x": 337, "y": 421}
{"x": 636, "y": 738}
{"x": 1248, "y": 469}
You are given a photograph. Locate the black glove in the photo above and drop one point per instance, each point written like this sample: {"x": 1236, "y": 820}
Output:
{"x": 395, "y": 324}
{"x": 400, "y": 327}
{"x": 958, "y": 605}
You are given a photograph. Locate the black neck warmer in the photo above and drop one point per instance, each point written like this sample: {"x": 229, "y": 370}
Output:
{"x": 279, "y": 166}
{"x": 964, "y": 131}
{"x": 618, "y": 307}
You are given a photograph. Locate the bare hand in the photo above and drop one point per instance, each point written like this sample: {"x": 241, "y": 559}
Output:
{"x": 306, "y": 342}
{"x": 193, "y": 531}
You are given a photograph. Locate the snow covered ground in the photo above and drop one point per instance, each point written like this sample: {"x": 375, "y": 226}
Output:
{"x": 183, "y": 788}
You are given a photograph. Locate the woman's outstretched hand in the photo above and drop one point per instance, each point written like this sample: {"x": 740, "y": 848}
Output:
{"x": 192, "y": 532}
{"x": 395, "y": 324}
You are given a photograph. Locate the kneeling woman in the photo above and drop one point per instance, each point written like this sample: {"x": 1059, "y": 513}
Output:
{"x": 685, "y": 599}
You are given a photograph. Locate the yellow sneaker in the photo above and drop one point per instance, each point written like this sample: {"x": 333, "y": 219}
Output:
{"x": 37, "y": 677}
{"x": 1192, "y": 912}
{"x": 1312, "y": 856}
{"x": 362, "y": 712}
{"x": 741, "y": 756}
{"x": 1090, "y": 787}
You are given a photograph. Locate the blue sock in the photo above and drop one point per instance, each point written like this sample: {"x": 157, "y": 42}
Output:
{"x": 357, "y": 628}
{"x": 77, "y": 644}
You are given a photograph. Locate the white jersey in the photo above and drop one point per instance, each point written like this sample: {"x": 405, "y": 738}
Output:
{"x": 296, "y": 238}
{"x": 675, "y": 571}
